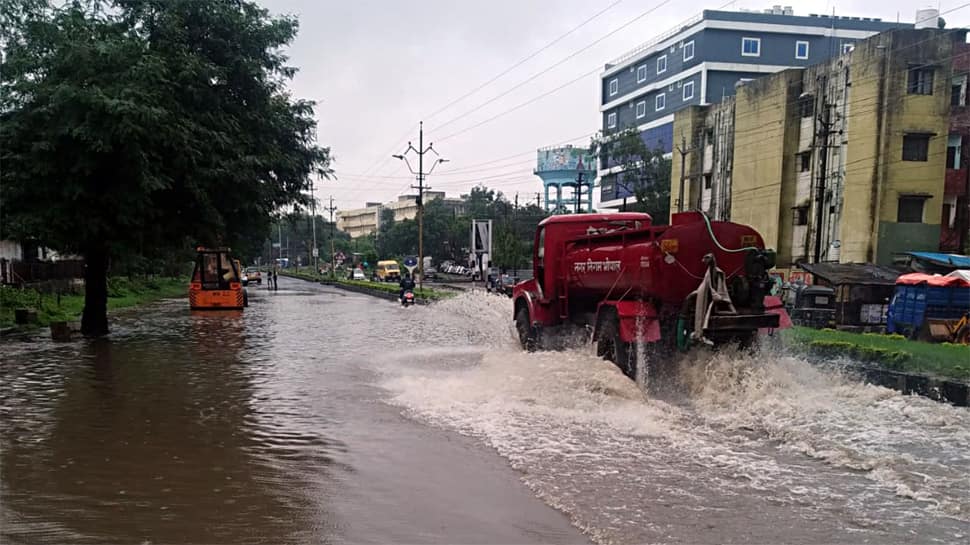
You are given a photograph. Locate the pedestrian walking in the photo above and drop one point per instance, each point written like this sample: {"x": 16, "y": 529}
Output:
{"x": 276, "y": 280}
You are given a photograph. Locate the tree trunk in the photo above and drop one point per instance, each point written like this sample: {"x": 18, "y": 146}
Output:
{"x": 94, "y": 320}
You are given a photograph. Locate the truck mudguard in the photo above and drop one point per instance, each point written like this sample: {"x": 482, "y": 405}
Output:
{"x": 638, "y": 320}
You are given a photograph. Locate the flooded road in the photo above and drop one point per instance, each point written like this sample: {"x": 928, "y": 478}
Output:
{"x": 319, "y": 416}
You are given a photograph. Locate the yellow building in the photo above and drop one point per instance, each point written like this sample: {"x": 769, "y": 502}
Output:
{"x": 842, "y": 161}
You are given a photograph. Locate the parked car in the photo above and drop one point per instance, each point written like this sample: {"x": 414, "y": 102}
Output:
{"x": 254, "y": 275}
{"x": 357, "y": 274}
{"x": 505, "y": 283}
{"x": 430, "y": 273}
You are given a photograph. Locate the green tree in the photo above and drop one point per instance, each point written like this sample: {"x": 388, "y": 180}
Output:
{"x": 508, "y": 249}
{"x": 131, "y": 124}
{"x": 644, "y": 171}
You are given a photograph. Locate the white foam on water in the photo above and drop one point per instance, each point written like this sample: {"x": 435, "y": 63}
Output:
{"x": 772, "y": 434}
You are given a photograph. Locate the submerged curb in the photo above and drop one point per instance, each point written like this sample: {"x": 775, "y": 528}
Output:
{"x": 938, "y": 389}
{"x": 944, "y": 390}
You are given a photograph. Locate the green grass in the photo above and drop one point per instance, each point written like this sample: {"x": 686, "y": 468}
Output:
{"x": 889, "y": 351}
{"x": 122, "y": 293}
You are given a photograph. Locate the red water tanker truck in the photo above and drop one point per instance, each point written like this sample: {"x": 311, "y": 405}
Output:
{"x": 627, "y": 281}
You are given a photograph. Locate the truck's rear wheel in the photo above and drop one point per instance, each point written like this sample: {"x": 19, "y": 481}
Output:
{"x": 528, "y": 337}
{"x": 610, "y": 346}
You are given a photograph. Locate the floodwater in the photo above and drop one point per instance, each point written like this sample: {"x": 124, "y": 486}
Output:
{"x": 318, "y": 416}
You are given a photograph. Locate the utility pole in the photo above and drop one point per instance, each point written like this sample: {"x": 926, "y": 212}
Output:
{"x": 538, "y": 199}
{"x": 333, "y": 263}
{"x": 825, "y": 126}
{"x": 684, "y": 150}
{"x": 420, "y": 151}
{"x": 316, "y": 251}
{"x": 579, "y": 190}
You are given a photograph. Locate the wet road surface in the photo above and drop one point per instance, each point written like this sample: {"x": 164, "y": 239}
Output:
{"x": 319, "y": 416}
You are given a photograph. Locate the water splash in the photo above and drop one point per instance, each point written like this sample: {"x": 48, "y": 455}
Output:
{"x": 727, "y": 428}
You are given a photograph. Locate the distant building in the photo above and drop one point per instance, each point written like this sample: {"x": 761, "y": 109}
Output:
{"x": 570, "y": 168}
{"x": 868, "y": 189}
{"x": 701, "y": 61}
{"x": 406, "y": 206}
{"x": 359, "y": 222}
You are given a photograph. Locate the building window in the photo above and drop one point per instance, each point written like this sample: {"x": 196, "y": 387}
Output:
{"x": 661, "y": 64}
{"x": 614, "y": 86}
{"x": 641, "y": 109}
{"x": 953, "y": 145}
{"x": 920, "y": 81}
{"x": 688, "y": 90}
{"x": 910, "y": 209}
{"x": 660, "y": 102}
{"x": 642, "y": 74}
{"x": 805, "y": 161}
{"x": 750, "y": 47}
{"x": 708, "y": 181}
{"x": 688, "y": 50}
{"x": 611, "y": 121}
{"x": 958, "y": 91}
{"x": 801, "y": 50}
{"x": 806, "y": 106}
{"x": 916, "y": 147}
{"x": 847, "y": 47}
{"x": 801, "y": 215}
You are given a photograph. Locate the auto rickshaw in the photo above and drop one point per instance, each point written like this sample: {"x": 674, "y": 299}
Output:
{"x": 216, "y": 282}
{"x": 814, "y": 307}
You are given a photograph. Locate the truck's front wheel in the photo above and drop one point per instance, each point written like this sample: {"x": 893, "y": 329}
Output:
{"x": 612, "y": 347}
{"x": 527, "y": 334}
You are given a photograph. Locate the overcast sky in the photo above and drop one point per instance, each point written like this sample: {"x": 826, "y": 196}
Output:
{"x": 377, "y": 67}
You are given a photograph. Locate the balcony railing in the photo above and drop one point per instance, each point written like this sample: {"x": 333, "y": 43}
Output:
{"x": 652, "y": 43}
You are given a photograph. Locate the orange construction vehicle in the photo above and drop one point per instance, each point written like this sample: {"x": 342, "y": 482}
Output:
{"x": 216, "y": 282}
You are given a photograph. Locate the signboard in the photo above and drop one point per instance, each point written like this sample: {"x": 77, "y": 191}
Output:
{"x": 316, "y": 252}
{"x": 481, "y": 236}
{"x": 564, "y": 158}
{"x": 411, "y": 263}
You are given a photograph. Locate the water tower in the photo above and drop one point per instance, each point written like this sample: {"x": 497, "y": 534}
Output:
{"x": 566, "y": 167}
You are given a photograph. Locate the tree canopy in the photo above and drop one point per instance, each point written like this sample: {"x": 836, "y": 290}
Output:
{"x": 447, "y": 231}
{"x": 644, "y": 172}
{"x": 136, "y": 126}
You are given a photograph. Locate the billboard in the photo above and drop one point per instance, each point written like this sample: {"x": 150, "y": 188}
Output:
{"x": 564, "y": 158}
{"x": 482, "y": 236}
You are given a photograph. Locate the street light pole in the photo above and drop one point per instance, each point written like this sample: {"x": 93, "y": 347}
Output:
{"x": 420, "y": 151}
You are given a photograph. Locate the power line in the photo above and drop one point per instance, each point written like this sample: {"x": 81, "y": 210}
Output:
{"x": 524, "y": 60}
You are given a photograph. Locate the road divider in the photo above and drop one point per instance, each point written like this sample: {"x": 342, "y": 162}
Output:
{"x": 377, "y": 289}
